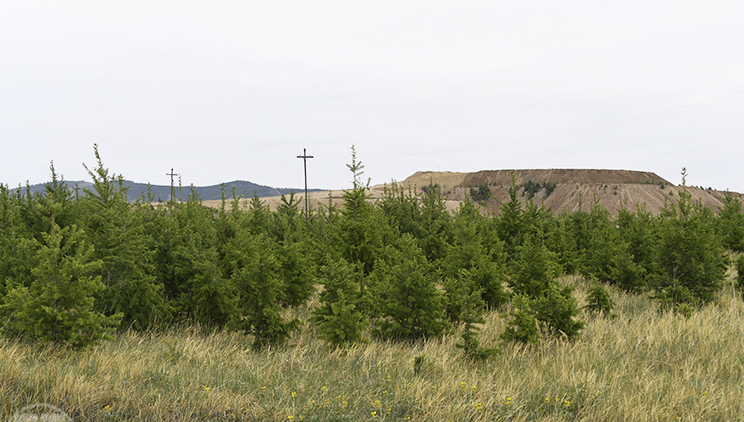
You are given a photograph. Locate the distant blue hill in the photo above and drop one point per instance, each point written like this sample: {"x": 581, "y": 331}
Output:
{"x": 162, "y": 193}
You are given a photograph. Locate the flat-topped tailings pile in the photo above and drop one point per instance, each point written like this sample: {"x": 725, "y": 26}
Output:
{"x": 558, "y": 189}
{"x": 565, "y": 189}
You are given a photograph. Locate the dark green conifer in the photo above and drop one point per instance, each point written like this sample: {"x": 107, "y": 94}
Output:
{"x": 731, "y": 223}
{"x": 690, "y": 261}
{"x": 401, "y": 209}
{"x": 739, "y": 265}
{"x": 556, "y": 309}
{"x": 256, "y": 275}
{"x": 339, "y": 320}
{"x": 509, "y": 224}
{"x": 197, "y": 276}
{"x": 358, "y": 231}
{"x": 484, "y": 264}
{"x": 123, "y": 246}
{"x": 435, "y": 225}
{"x": 293, "y": 251}
{"x": 534, "y": 268}
{"x": 58, "y": 306}
{"x": 540, "y": 296}
{"x": 16, "y": 242}
{"x": 410, "y": 305}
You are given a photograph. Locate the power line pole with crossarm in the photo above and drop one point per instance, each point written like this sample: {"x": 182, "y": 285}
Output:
{"x": 173, "y": 190}
{"x": 304, "y": 157}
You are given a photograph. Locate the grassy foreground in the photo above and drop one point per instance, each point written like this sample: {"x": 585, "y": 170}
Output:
{"x": 642, "y": 366}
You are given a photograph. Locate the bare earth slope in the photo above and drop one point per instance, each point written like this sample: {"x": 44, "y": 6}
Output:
{"x": 574, "y": 188}
{"x": 558, "y": 176}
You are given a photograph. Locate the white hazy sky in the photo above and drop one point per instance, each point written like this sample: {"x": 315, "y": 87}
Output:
{"x": 234, "y": 90}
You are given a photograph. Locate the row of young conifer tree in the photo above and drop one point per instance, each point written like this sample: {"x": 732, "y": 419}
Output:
{"x": 75, "y": 268}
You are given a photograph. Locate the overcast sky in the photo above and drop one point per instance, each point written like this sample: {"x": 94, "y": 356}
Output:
{"x": 234, "y": 90}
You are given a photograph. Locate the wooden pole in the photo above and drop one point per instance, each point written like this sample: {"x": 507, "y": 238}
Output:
{"x": 304, "y": 157}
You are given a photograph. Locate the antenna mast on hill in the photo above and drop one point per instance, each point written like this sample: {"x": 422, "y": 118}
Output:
{"x": 304, "y": 157}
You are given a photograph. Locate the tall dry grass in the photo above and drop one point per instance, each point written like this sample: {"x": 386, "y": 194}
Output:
{"x": 641, "y": 366}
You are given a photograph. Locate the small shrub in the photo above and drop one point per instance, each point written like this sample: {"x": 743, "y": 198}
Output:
{"x": 481, "y": 194}
{"x": 685, "y": 310}
{"x": 431, "y": 188}
{"x": 172, "y": 352}
{"x": 471, "y": 315}
{"x": 470, "y": 344}
{"x": 598, "y": 301}
{"x": 531, "y": 188}
{"x": 627, "y": 274}
{"x": 556, "y": 310}
{"x": 522, "y": 325}
{"x": 678, "y": 299}
{"x": 418, "y": 364}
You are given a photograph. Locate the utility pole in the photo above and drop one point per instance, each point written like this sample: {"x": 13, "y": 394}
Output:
{"x": 173, "y": 190}
{"x": 304, "y": 157}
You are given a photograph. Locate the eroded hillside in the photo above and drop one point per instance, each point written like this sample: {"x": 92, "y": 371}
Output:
{"x": 571, "y": 188}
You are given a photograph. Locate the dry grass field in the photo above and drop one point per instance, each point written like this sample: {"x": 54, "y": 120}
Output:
{"x": 641, "y": 366}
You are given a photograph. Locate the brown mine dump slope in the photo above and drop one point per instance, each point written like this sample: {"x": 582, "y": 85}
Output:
{"x": 557, "y": 176}
{"x": 574, "y": 188}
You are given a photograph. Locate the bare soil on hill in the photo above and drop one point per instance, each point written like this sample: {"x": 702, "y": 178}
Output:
{"x": 557, "y": 176}
{"x": 580, "y": 196}
{"x": 574, "y": 189}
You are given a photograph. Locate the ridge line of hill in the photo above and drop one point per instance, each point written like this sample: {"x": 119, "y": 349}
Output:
{"x": 162, "y": 193}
